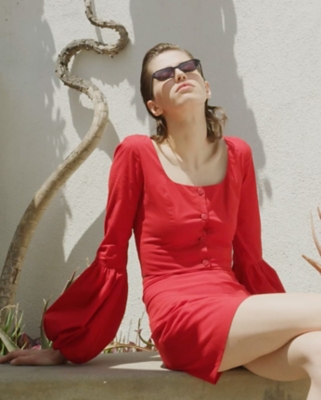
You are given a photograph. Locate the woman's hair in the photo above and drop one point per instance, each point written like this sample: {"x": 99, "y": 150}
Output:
{"x": 215, "y": 116}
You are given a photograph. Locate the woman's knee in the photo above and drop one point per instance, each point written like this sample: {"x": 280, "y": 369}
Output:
{"x": 305, "y": 351}
{"x": 299, "y": 358}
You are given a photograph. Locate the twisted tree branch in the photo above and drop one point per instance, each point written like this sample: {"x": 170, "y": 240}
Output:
{"x": 27, "y": 225}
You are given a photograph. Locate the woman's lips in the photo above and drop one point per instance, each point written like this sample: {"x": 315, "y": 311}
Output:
{"x": 182, "y": 85}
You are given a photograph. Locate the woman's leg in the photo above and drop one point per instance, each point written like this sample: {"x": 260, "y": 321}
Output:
{"x": 300, "y": 358}
{"x": 265, "y": 323}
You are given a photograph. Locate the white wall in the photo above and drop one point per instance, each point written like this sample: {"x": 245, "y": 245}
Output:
{"x": 262, "y": 59}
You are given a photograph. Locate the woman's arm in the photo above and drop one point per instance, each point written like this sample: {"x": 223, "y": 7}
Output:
{"x": 86, "y": 317}
{"x": 248, "y": 265}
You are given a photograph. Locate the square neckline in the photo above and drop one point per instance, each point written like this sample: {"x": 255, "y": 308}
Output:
{"x": 213, "y": 185}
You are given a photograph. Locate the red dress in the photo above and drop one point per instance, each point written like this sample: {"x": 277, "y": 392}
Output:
{"x": 200, "y": 255}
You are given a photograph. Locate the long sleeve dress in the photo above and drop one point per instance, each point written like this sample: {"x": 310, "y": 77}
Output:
{"x": 200, "y": 254}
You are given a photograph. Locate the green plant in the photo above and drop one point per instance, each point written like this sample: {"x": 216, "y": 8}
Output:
{"x": 12, "y": 336}
{"x": 10, "y": 328}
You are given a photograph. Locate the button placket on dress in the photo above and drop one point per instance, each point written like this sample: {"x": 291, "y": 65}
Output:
{"x": 204, "y": 217}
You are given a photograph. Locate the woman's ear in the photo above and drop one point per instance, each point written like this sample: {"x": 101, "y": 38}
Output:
{"x": 153, "y": 108}
{"x": 208, "y": 90}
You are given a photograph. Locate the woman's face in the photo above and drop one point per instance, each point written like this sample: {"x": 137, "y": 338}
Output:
{"x": 182, "y": 89}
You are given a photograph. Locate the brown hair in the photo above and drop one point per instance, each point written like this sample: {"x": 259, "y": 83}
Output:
{"x": 215, "y": 116}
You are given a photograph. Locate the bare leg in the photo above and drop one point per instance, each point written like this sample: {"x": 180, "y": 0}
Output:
{"x": 265, "y": 323}
{"x": 278, "y": 336}
{"x": 300, "y": 358}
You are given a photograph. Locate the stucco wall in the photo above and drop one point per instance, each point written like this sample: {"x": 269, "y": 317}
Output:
{"x": 262, "y": 59}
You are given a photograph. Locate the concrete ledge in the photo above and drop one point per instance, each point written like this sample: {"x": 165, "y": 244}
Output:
{"x": 137, "y": 376}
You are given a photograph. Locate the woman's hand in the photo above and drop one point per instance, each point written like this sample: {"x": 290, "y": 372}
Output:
{"x": 34, "y": 357}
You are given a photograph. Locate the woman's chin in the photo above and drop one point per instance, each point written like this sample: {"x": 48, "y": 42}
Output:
{"x": 188, "y": 101}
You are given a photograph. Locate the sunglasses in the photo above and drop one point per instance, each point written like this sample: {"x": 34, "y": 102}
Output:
{"x": 169, "y": 72}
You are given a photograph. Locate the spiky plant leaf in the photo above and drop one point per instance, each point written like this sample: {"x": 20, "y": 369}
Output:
{"x": 9, "y": 321}
{"x": 17, "y": 326}
{"x": 70, "y": 280}
{"x": 148, "y": 343}
{"x": 9, "y": 344}
{"x": 45, "y": 342}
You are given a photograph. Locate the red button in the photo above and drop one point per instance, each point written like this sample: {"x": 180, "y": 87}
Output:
{"x": 202, "y": 239}
{"x": 204, "y": 216}
{"x": 200, "y": 191}
{"x": 206, "y": 262}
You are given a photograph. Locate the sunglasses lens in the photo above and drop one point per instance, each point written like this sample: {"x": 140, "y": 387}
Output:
{"x": 163, "y": 74}
{"x": 189, "y": 66}
{"x": 167, "y": 73}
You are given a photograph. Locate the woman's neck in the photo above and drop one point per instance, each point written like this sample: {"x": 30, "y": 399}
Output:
{"x": 187, "y": 138}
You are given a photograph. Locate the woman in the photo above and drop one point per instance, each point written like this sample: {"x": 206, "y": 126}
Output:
{"x": 190, "y": 196}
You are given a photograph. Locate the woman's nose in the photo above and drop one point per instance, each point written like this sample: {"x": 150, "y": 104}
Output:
{"x": 179, "y": 75}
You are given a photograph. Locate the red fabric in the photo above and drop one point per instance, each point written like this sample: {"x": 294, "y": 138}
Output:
{"x": 200, "y": 255}
{"x": 249, "y": 267}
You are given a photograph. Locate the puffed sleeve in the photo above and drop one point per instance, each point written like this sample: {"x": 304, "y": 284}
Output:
{"x": 249, "y": 267}
{"x": 85, "y": 318}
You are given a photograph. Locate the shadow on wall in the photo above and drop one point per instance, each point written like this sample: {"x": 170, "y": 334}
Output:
{"x": 32, "y": 143}
{"x": 208, "y": 30}
{"x": 35, "y": 137}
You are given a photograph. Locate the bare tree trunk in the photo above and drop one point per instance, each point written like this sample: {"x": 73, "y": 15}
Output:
{"x": 32, "y": 215}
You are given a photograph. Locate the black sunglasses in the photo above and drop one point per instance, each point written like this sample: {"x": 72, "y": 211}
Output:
{"x": 169, "y": 72}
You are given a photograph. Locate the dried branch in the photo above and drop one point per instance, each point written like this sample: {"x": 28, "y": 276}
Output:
{"x": 32, "y": 215}
{"x": 312, "y": 262}
{"x": 314, "y": 235}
